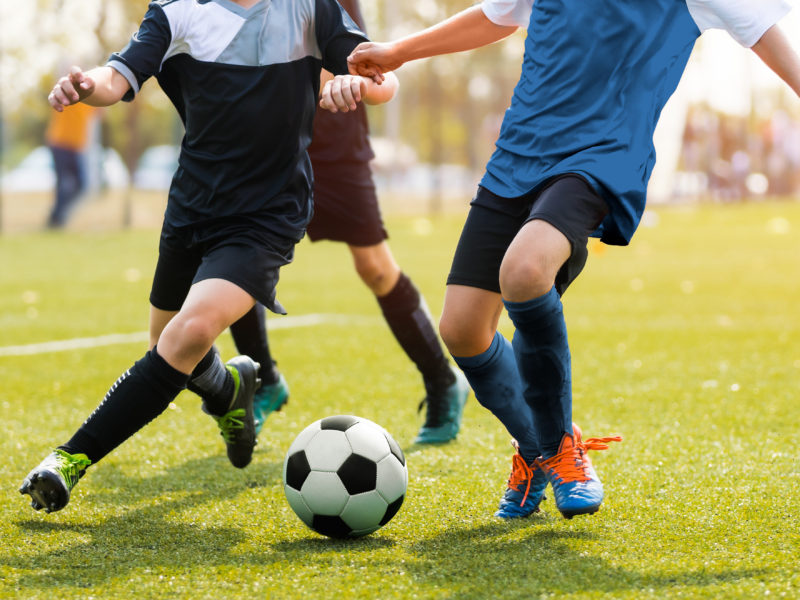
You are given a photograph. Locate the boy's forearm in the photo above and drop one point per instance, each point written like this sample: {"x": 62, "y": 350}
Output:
{"x": 379, "y": 94}
{"x": 466, "y": 30}
{"x": 777, "y": 53}
{"x": 110, "y": 86}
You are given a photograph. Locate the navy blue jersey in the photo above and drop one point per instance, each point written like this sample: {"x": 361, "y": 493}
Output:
{"x": 245, "y": 83}
{"x": 595, "y": 77}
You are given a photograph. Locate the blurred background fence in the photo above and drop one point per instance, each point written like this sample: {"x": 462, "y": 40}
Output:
{"x": 731, "y": 132}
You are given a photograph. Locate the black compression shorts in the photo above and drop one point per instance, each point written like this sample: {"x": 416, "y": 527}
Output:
{"x": 567, "y": 202}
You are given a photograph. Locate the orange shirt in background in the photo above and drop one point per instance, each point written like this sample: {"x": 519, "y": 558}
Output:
{"x": 70, "y": 128}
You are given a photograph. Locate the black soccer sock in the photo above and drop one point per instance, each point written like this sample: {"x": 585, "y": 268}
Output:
{"x": 407, "y": 315}
{"x": 250, "y": 336}
{"x": 139, "y": 395}
{"x": 213, "y": 383}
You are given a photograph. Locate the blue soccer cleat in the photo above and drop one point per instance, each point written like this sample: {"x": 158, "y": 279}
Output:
{"x": 525, "y": 490}
{"x": 269, "y": 398}
{"x": 576, "y": 487}
{"x": 443, "y": 414}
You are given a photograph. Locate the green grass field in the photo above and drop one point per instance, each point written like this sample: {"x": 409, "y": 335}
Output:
{"x": 687, "y": 343}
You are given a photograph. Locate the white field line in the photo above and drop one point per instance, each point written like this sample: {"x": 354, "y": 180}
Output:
{"x": 139, "y": 337}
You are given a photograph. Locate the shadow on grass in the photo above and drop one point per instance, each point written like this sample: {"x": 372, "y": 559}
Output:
{"x": 316, "y": 544}
{"x": 530, "y": 557}
{"x": 145, "y": 536}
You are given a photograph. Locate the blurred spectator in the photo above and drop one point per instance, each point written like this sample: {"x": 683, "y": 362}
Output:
{"x": 739, "y": 157}
{"x": 68, "y": 136}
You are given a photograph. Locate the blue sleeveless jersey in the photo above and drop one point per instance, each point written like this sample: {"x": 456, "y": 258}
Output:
{"x": 595, "y": 77}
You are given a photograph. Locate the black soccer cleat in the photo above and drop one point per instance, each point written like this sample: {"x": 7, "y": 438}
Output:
{"x": 237, "y": 426}
{"x": 49, "y": 485}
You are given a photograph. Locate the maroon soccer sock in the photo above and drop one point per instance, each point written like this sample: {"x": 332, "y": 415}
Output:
{"x": 405, "y": 311}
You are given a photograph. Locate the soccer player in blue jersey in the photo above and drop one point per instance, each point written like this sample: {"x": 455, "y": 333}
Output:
{"x": 346, "y": 210}
{"x": 244, "y": 76}
{"x": 572, "y": 160}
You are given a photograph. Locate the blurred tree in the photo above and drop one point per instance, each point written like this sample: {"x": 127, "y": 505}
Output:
{"x": 448, "y": 109}
{"x": 450, "y": 106}
{"x": 40, "y": 38}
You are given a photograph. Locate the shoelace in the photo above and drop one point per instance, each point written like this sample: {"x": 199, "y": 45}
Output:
{"x": 229, "y": 421}
{"x": 569, "y": 464}
{"x": 71, "y": 467}
{"x": 521, "y": 473}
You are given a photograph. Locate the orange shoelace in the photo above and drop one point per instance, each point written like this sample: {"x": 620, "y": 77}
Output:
{"x": 521, "y": 474}
{"x": 571, "y": 463}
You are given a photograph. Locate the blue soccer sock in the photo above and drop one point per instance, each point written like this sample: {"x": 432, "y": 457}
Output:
{"x": 495, "y": 380}
{"x": 543, "y": 360}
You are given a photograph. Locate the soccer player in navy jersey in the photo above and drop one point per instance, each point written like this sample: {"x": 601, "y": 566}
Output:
{"x": 346, "y": 210}
{"x": 244, "y": 76}
{"x": 573, "y": 159}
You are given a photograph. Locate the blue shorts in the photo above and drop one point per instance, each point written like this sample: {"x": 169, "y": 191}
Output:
{"x": 235, "y": 249}
{"x": 568, "y": 202}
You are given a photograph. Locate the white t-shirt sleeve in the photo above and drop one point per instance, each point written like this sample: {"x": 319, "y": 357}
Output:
{"x": 508, "y": 12}
{"x": 745, "y": 20}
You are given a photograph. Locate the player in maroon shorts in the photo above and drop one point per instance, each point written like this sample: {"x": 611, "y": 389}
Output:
{"x": 346, "y": 210}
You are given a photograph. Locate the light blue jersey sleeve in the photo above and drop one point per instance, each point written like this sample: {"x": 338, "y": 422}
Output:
{"x": 745, "y": 20}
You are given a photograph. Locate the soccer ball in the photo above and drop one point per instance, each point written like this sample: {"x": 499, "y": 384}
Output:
{"x": 345, "y": 476}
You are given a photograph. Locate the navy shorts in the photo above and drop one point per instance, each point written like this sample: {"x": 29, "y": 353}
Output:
{"x": 567, "y": 202}
{"x": 346, "y": 205}
{"x": 234, "y": 249}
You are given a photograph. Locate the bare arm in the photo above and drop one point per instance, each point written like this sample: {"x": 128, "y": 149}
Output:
{"x": 101, "y": 86}
{"x": 344, "y": 92}
{"x": 776, "y": 52}
{"x": 466, "y": 30}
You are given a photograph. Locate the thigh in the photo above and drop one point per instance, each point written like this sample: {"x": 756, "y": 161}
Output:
{"x": 247, "y": 256}
{"x": 218, "y": 302}
{"x": 575, "y": 209}
{"x": 211, "y": 306}
{"x": 158, "y": 321}
{"x": 491, "y": 225}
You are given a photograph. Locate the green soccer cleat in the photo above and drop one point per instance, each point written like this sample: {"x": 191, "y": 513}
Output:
{"x": 237, "y": 426}
{"x": 49, "y": 485}
{"x": 443, "y": 415}
{"x": 269, "y": 398}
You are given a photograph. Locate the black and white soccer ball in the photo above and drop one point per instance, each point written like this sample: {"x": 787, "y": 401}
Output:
{"x": 345, "y": 476}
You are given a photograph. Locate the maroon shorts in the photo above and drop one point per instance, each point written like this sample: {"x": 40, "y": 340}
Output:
{"x": 346, "y": 205}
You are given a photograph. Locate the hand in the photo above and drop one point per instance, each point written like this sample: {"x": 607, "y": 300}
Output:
{"x": 372, "y": 60}
{"x": 71, "y": 89}
{"x": 343, "y": 93}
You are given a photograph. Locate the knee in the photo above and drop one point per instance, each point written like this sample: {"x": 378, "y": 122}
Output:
{"x": 526, "y": 278}
{"x": 193, "y": 332}
{"x": 463, "y": 338}
{"x": 376, "y": 275}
